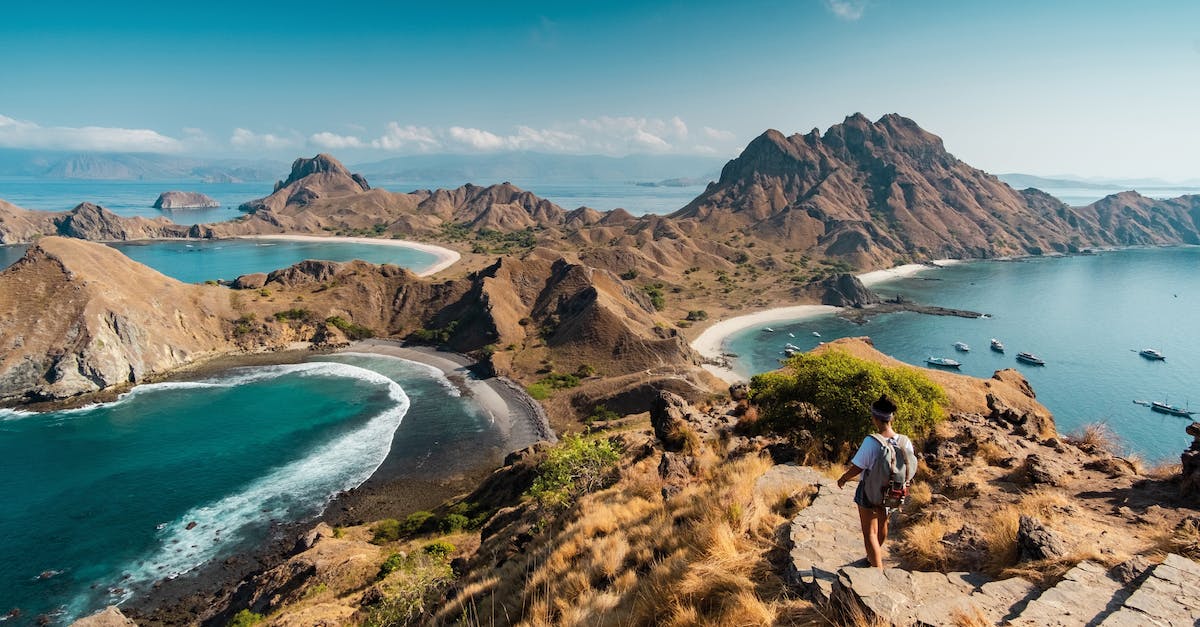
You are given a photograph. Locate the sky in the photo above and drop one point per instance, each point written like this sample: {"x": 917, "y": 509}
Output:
{"x": 1096, "y": 88}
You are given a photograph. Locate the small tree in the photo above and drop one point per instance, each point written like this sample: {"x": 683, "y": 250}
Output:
{"x": 842, "y": 388}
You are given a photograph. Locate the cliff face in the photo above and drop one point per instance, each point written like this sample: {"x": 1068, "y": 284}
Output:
{"x": 79, "y": 317}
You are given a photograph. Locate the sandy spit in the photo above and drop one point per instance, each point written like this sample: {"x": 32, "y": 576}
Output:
{"x": 445, "y": 256}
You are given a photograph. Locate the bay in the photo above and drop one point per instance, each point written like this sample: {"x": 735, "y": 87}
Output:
{"x": 1086, "y": 316}
{"x": 100, "y": 501}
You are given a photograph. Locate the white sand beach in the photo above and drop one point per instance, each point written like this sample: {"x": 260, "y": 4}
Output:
{"x": 711, "y": 342}
{"x": 445, "y": 256}
{"x": 875, "y": 277}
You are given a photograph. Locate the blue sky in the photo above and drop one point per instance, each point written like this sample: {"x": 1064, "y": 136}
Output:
{"x": 1092, "y": 88}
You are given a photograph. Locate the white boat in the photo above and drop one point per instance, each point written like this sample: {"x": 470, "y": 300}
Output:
{"x": 944, "y": 362}
{"x": 1030, "y": 358}
{"x": 962, "y": 347}
{"x": 1152, "y": 354}
{"x": 815, "y": 334}
{"x": 790, "y": 334}
{"x": 768, "y": 330}
{"x": 997, "y": 345}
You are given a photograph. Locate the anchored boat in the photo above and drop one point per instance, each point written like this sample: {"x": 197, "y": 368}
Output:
{"x": 943, "y": 362}
{"x": 997, "y": 345}
{"x": 1152, "y": 354}
{"x": 1030, "y": 358}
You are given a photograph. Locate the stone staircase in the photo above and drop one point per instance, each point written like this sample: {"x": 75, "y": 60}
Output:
{"x": 826, "y": 564}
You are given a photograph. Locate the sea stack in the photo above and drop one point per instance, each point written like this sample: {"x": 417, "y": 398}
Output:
{"x": 185, "y": 200}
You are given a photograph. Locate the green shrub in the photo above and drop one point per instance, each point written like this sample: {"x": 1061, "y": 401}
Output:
{"x": 656, "y": 296}
{"x": 577, "y": 465}
{"x": 392, "y": 564}
{"x": 842, "y": 387}
{"x": 629, "y": 274}
{"x": 539, "y": 391}
{"x": 600, "y": 413}
{"x": 454, "y": 523}
{"x": 697, "y": 315}
{"x": 246, "y": 618}
{"x": 412, "y": 593}
{"x": 386, "y": 530}
{"x": 415, "y": 522}
{"x": 351, "y": 330}
{"x": 439, "y": 549}
{"x": 560, "y": 381}
{"x": 294, "y": 314}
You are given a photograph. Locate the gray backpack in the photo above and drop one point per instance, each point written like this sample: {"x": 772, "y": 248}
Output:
{"x": 885, "y": 484}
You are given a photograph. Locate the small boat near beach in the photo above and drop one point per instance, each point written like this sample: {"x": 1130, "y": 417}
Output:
{"x": 815, "y": 334}
{"x": 790, "y": 334}
{"x": 768, "y": 330}
{"x": 942, "y": 362}
{"x": 1030, "y": 358}
{"x": 1164, "y": 408}
{"x": 962, "y": 347}
{"x": 997, "y": 345}
{"x": 1152, "y": 354}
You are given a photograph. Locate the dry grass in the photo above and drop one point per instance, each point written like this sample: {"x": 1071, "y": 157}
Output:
{"x": 622, "y": 559}
{"x": 921, "y": 547}
{"x": 920, "y": 494}
{"x": 1183, "y": 540}
{"x": 1096, "y": 437}
{"x": 991, "y": 453}
{"x": 973, "y": 617}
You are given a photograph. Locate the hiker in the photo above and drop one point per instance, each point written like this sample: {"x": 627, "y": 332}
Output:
{"x": 889, "y": 463}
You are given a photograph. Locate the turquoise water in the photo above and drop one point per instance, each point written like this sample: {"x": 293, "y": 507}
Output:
{"x": 196, "y": 261}
{"x": 129, "y": 198}
{"x": 98, "y": 500}
{"x": 1086, "y": 316}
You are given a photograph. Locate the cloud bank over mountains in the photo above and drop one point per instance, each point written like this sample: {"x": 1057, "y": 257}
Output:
{"x": 606, "y": 135}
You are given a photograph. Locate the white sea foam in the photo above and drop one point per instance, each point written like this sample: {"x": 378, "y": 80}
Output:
{"x": 305, "y": 483}
{"x": 13, "y": 414}
{"x": 434, "y": 372}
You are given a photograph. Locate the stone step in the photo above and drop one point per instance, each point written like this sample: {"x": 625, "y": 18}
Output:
{"x": 824, "y": 537}
{"x": 900, "y": 597}
{"x": 1169, "y": 596}
{"x": 1086, "y": 595}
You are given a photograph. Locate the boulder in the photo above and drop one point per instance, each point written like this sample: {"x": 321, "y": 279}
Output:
{"x": 739, "y": 391}
{"x": 669, "y": 415}
{"x": 185, "y": 200}
{"x": 845, "y": 290}
{"x": 1041, "y": 471}
{"x": 1037, "y": 542}
{"x": 676, "y": 471}
{"x": 109, "y": 617}
{"x": 250, "y": 281}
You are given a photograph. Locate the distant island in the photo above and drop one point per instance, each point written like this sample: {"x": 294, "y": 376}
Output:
{"x": 185, "y": 200}
{"x": 684, "y": 181}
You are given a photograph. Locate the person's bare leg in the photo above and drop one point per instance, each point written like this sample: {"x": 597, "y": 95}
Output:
{"x": 883, "y": 526}
{"x": 870, "y": 530}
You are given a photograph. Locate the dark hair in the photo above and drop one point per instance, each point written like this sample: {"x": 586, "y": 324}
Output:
{"x": 883, "y": 406}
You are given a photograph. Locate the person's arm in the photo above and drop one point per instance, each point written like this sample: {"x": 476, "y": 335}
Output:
{"x": 851, "y": 472}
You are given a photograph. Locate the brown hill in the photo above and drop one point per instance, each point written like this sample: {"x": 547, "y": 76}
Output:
{"x": 310, "y": 179}
{"x": 78, "y": 317}
{"x": 85, "y": 221}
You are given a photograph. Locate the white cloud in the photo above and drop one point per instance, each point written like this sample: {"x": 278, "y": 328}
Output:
{"x": 612, "y": 135}
{"x": 407, "y": 137}
{"x": 248, "y": 140}
{"x": 332, "y": 141}
{"x": 849, "y": 10}
{"x": 477, "y": 139}
{"x": 22, "y": 134}
{"x": 718, "y": 134}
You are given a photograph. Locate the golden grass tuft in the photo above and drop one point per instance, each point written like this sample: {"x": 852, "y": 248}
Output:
{"x": 973, "y": 617}
{"x": 920, "y": 545}
{"x": 920, "y": 494}
{"x": 991, "y": 453}
{"x": 1096, "y": 437}
{"x": 1183, "y": 540}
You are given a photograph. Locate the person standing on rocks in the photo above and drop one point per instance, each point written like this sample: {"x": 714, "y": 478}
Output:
{"x": 882, "y": 474}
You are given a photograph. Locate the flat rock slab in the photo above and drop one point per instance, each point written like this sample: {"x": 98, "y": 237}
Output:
{"x": 899, "y": 597}
{"x": 1086, "y": 594}
{"x": 825, "y": 536}
{"x": 1170, "y": 595}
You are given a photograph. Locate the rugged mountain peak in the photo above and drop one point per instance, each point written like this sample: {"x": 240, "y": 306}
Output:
{"x": 322, "y": 163}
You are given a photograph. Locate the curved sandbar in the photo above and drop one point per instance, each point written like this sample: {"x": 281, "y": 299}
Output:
{"x": 711, "y": 342}
{"x": 445, "y": 256}
{"x": 713, "y": 339}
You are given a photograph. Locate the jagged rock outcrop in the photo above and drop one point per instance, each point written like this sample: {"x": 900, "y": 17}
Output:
{"x": 669, "y": 416}
{"x": 1189, "y": 462}
{"x": 79, "y": 317}
{"x": 185, "y": 200}
{"x": 97, "y": 224}
{"x": 110, "y": 616}
{"x": 845, "y": 290}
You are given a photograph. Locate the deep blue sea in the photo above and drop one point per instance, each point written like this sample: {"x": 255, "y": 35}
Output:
{"x": 1086, "y": 316}
{"x": 98, "y": 501}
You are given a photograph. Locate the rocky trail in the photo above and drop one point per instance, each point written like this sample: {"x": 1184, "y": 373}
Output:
{"x": 826, "y": 564}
